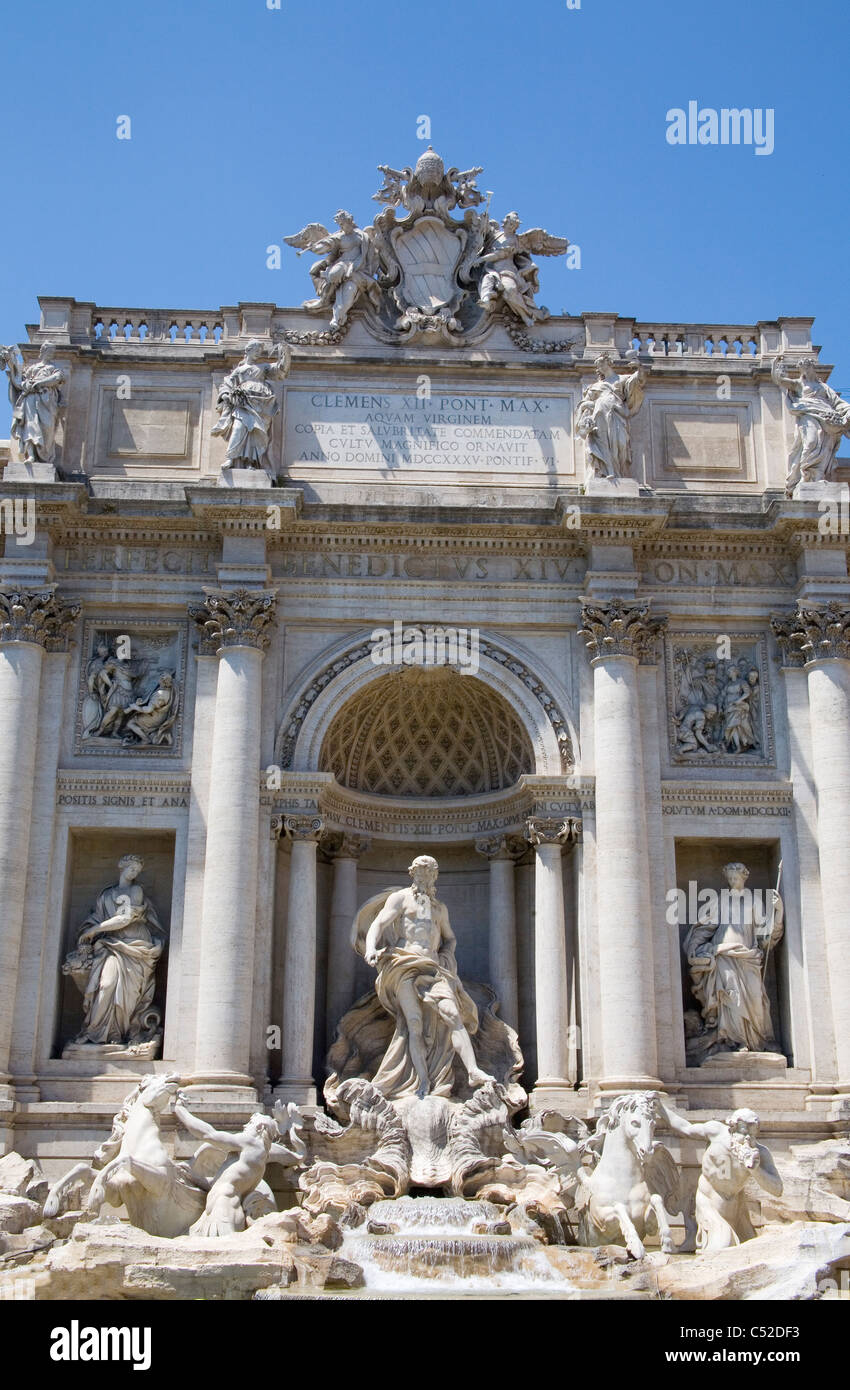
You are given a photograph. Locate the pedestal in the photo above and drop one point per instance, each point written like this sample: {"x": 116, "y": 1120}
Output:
{"x": 24, "y": 471}
{"x": 244, "y": 478}
{"x": 612, "y": 487}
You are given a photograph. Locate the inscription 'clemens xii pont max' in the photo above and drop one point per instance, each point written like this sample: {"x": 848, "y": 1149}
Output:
{"x": 449, "y": 432}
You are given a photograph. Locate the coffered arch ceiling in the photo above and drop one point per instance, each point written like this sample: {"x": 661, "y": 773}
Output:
{"x": 428, "y": 732}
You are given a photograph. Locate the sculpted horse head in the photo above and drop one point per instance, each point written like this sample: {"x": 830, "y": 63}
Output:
{"x": 636, "y": 1116}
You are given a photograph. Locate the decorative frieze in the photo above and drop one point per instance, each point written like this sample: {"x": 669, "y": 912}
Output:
{"x": 234, "y": 618}
{"x": 724, "y": 799}
{"x": 37, "y": 616}
{"x": 813, "y": 633}
{"x": 619, "y": 627}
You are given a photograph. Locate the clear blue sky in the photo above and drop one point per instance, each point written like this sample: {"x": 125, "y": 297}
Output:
{"x": 248, "y": 122}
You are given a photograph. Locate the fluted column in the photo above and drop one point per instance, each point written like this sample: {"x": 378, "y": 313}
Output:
{"x": 502, "y": 851}
{"x": 31, "y": 622}
{"x": 342, "y": 958}
{"x": 817, "y": 638}
{"x": 299, "y": 963}
{"x": 235, "y": 624}
{"x": 619, "y": 635}
{"x": 551, "y": 992}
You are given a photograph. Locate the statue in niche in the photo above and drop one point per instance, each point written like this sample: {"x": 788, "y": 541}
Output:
{"x": 716, "y": 703}
{"x": 726, "y": 952}
{"x": 821, "y": 417}
{"x": 113, "y": 965}
{"x": 412, "y": 947}
{"x": 247, "y": 405}
{"x": 510, "y": 276}
{"x": 128, "y": 700}
{"x": 602, "y": 418}
{"x": 347, "y": 269}
{"x": 35, "y": 395}
{"x": 733, "y": 1156}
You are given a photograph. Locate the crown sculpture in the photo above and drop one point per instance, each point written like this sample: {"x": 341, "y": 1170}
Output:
{"x": 426, "y": 273}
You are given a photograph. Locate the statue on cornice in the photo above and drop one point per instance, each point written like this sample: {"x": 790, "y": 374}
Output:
{"x": 604, "y": 412}
{"x": 821, "y": 417}
{"x": 347, "y": 269}
{"x": 511, "y": 278}
{"x": 248, "y": 405}
{"x": 35, "y": 395}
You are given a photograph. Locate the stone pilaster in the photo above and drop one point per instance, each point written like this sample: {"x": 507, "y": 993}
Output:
{"x": 817, "y": 638}
{"x": 619, "y": 635}
{"x": 299, "y": 963}
{"x": 31, "y": 622}
{"x": 235, "y": 626}
{"x": 502, "y": 851}
{"x": 552, "y": 1003}
{"x": 345, "y": 850}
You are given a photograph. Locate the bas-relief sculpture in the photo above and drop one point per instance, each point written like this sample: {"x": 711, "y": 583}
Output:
{"x": 35, "y": 393}
{"x": 247, "y": 405}
{"x": 716, "y": 703}
{"x": 131, "y": 700}
{"x": 113, "y": 965}
{"x": 427, "y": 273}
{"x": 726, "y": 950}
{"x": 821, "y": 417}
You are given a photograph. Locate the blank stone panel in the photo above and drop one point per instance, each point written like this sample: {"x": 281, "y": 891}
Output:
{"x": 154, "y": 432}
{"x": 151, "y": 427}
{"x": 703, "y": 444}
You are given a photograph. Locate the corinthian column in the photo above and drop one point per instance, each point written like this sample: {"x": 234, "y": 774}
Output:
{"x": 619, "y": 635}
{"x": 299, "y": 963}
{"x": 235, "y": 625}
{"x": 30, "y": 624}
{"x": 342, "y": 958}
{"x": 551, "y": 993}
{"x": 502, "y": 851}
{"x": 817, "y": 638}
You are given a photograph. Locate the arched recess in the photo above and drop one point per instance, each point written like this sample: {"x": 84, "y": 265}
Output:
{"x": 534, "y": 695}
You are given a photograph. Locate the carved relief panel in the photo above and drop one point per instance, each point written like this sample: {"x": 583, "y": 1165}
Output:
{"x": 718, "y": 700}
{"x": 132, "y": 680}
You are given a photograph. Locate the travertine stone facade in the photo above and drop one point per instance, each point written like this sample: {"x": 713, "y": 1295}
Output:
{"x": 653, "y": 681}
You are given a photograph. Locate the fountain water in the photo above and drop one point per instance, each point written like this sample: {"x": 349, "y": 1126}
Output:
{"x": 428, "y": 1244}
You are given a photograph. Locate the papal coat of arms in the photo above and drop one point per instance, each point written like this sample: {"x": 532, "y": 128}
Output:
{"x": 427, "y": 273}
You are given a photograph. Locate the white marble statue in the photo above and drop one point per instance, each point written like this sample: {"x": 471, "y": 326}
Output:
{"x": 602, "y": 418}
{"x": 347, "y": 268}
{"x": 510, "y": 276}
{"x": 821, "y": 417}
{"x": 36, "y": 398}
{"x": 725, "y": 951}
{"x": 150, "y": 721}
{"x": 635, "y": 1182}
{"x": 247, "y": 405}
{"x": 411, "y": 944}
{"x": 733, "y": 1156}
{"x": 241, "y": 1160}
{"x": 114, "y": 964}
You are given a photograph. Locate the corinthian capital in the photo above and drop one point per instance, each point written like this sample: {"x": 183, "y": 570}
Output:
{"x": 813, "y": 632}
{"x": 36, "y": 616}
{"x": 234, "y": 618}
{"x": 620, "y": 628}
{"x": 501, "y": 846}
{"x": 547, "y": 830}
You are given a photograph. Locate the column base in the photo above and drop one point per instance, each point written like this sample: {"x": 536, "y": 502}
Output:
{"x": 214, "y": 1088}
{"x": 302, "y": 1092}
{"x": 553, "y": 1093}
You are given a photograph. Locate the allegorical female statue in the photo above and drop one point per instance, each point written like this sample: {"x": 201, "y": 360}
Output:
{"x": 36, "y": 400}
{"x": 725, "y": 952}
{"x": 602, "y": 418}
{"x": 248, "y": 405}
{"x": 113, "y": 966}
{"x": 821, "y": 418}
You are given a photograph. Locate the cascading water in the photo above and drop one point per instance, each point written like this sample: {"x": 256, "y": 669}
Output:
{"x": 442, "y": 1243}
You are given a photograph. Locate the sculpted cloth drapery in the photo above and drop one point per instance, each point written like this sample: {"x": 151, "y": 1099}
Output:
{"x": 433, "y": 983}
{"x": 725, "y": 960}
{"x": 34, "y": 393}
{"x": 821, "y": 417}
{"x": 114, "y": 964}
{"x": 602, "y": 419}
{"x": 248, "y": 406}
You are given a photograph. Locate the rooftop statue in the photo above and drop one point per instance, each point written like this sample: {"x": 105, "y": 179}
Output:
{"x": 604, "y": 412}
{"x": 248, "y": 405}
{"x": 510, "y": 278}
{"x": 347, "y": 269}
{"x": 821, "y": 417}
{"x": 35, "y": 395}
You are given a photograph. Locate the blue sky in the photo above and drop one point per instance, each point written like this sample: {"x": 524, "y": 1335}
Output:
{"x": 248, "y": 122}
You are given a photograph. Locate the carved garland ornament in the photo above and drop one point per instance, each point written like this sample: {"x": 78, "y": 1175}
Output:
{"x": 36, "y": 616}
{"x": 364, "y": 649}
